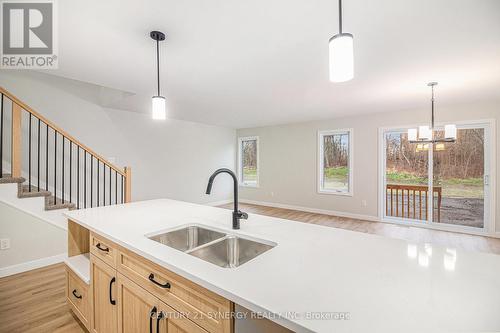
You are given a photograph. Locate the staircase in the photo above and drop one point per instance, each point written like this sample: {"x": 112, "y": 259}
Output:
{"x": 44, "y": 161}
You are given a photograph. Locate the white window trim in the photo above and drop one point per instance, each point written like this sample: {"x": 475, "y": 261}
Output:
{"x": 240, "y": 163}
{"x": 320, "y": 160}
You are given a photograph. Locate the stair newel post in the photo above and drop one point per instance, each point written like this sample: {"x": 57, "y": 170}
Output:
{"x": 128, "y": 184}
{"x": 16, "y": 140}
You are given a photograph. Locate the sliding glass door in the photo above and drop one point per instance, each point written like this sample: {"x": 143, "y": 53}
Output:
{"x": 438, "y": 183}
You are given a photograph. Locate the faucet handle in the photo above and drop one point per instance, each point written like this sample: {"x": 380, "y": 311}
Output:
{"x": 242, "y": 215}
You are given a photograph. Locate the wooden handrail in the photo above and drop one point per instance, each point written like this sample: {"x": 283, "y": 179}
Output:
{"x": 25, "y": 107}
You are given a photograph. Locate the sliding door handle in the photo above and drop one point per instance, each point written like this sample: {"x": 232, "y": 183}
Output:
{"x": 111, "y": 300}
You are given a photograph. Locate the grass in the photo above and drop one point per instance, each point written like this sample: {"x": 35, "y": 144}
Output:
{"x": 250, "y": 174}
{"x": 452, "y": 187}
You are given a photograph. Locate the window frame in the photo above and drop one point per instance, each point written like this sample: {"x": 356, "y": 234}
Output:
{"x": 320, "y": 174}
{"x": 240, "y": 161}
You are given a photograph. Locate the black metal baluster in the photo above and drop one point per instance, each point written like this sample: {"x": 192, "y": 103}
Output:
{"x": 109, "y": 185}
{"x": 84, "y": 178}
{"x": 78, "y": 177}
{"x": 116, "y": 187}
{"x": 123, "y": 199}
{"x": 91, "y": 181}
{"x": 47, "y": 158}
{"x": 38, "y": 156}
{"x": 55, "y": 167}
{"x": 98, "y": 181}
{"x": 103, "y": 183}
{"x": 1, "y": 137}
{"x": 70, "y": 171}
{"x": 62, "y": 183}
{"x": 29, "y": 154}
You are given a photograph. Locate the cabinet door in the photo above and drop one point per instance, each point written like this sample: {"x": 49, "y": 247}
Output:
{"x": 171, "y": 321}
{"x": 138, "y": 309}
{"x": 104, "y": 291}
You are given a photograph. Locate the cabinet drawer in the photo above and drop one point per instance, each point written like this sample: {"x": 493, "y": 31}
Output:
{"x": 103, "y": 249}
{"x": 208, "y": 310}
{"x": 77, "y": 294}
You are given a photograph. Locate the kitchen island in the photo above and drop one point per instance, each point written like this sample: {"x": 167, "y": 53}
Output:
{"x": 315, "y": 278}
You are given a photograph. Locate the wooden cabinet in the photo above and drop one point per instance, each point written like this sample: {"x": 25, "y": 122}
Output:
{"x": 103, "y": 282}
{"x": 130, "y": 294}
{"x": 77, "y": 296}
{"x": 103, "y": 249}
{"x": 205, "y": 308}
{"x": 141, "y": 312}
{"x": 138, "y": 308}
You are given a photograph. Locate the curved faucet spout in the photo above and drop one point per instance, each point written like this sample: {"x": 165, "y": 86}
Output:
{"x": 237, "y": 215}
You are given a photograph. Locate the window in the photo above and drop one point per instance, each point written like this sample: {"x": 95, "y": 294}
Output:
{"x": 443, "y": 183}
{"x": 335, "y": 162}
{"x": 249, "y": 161}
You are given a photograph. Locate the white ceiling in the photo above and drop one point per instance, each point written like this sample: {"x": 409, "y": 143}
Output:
{"x": 263, "y": 62}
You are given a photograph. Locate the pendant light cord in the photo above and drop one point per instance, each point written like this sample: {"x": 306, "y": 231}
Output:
{"x": 432, "y": 108}
{"x": 340, "y": 16}
{"x": 158, "y": 64}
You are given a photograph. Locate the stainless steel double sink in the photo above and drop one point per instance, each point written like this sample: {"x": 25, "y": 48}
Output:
{"x": 217, "y": 247}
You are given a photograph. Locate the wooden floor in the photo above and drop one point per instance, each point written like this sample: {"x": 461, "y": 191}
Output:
{"x": 412, "y": 234}
{"x": 35, "y": 302}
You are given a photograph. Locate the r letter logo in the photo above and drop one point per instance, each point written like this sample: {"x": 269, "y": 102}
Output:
{"x": 28, "y": 35}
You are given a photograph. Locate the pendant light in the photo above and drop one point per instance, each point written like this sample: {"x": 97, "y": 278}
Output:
{"x": 159, "y": 106}
{"x": 341, "y": 54}
{"x": 425, "y": 134}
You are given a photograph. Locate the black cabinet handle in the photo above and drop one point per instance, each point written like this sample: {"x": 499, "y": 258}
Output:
{"x": 76, "y": 296}
{"x": 152, "y": 279}
{"x": 160, "y": 316}
{"x": 151, "y": 316}
{"x": 98, "y": 245}
{"x": 111, "y": 300}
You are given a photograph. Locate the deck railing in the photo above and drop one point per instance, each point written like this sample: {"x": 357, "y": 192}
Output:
{"x": 56, "y": 161}
{"x": 411, "y": 201}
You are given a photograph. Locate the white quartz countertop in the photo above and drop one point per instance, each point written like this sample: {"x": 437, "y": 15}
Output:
{"x": 317, "y": 273}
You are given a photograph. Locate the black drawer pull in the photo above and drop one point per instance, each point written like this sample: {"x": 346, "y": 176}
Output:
{"x": 152, "y": 314}
{"x": 111, "y": 300}
{"x": 76, "y": 296}
{"x": 160, "y": 316}
{"x": 152, "y": 279}
{"x": 102, "y": 249}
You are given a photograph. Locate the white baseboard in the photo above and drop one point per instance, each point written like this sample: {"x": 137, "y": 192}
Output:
{"x": 313, "y": 210}
{"x": 219, "y": 203}
{"x": 30, "y": 265}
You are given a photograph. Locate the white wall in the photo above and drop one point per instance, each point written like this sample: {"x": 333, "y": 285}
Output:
{"x": 171, "y": 159}
{"x": 288, "y": 158}
{"x": 30, "y": 238}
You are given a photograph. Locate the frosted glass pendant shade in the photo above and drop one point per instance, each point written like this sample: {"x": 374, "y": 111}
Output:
{"x": 159, "y": 108}
{"x": 412, "y": 134}
{"x": 424, "y": 133}
{"x": 341, "y": 51}
{"x": 450, "y": 132}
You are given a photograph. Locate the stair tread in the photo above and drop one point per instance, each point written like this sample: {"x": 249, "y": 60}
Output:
{"x": 8, "y": 179}
{"x": 50, "y": 205}
{"x": 24, "y": 192}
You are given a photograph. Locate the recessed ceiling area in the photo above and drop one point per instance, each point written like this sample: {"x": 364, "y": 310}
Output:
{"x": 255, "y": 63}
